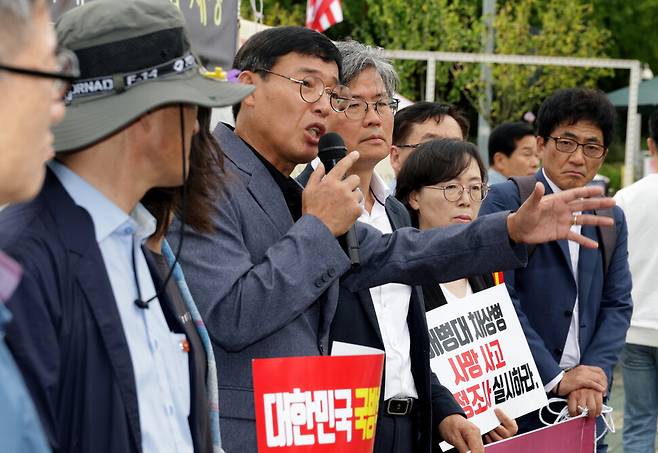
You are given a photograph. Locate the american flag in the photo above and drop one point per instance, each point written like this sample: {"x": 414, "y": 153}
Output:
{"x": 322, "y": 14}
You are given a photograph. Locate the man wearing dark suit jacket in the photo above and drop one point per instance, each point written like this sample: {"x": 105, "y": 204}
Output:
{"x": 415, "y": 410}
{"x": 413, "y": 404}
{"x": 267, "y": 283}
{"x": 578, "y": 304}
{"x": 113, "y": 364}
{"x": 30, "y": 106}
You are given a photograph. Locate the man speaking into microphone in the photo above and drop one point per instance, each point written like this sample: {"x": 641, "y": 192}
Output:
{"x": 268, "y": 281}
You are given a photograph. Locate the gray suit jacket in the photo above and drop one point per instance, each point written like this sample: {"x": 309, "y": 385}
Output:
{"x": 268, "y": 287}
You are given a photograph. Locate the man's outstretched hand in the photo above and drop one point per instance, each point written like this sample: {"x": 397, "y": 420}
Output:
{"x": 549, "y": 218}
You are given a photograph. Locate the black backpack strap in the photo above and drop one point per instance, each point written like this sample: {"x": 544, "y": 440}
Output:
{"x": 526, "y": 185}
{"x": 607, "y": 238}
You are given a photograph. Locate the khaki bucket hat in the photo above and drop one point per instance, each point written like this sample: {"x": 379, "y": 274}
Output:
{"x": 134, "y": 56}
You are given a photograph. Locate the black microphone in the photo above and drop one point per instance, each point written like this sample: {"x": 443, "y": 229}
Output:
{"x": 331, "y": 149}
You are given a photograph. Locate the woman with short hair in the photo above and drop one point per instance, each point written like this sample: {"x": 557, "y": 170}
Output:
{"x": 443, "y": 183}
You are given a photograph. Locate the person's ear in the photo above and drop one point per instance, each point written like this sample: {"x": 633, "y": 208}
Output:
{"x": 414, "y": 200}
{"x": 499, "y": 160}
{"x": 652, "y": 147}
{"x": 395, "y": 159}
{"x": 248, "y": 78}
{"x": 541, "y": 144}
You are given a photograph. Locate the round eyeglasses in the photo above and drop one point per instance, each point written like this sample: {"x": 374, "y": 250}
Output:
{"x": 312, "y": 88}
{"x": 357, "y": 109}
{"x": 67, "y": 71}
{"x": 409, "y": 145}
{"x": 453, "y": 192}
{"x": 569, "y": 145}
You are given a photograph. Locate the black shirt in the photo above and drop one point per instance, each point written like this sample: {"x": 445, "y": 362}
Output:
{"x": 291, "y": 189}
{"x": 434, "y": 297}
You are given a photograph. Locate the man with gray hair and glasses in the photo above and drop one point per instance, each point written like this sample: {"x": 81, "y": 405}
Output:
{"x": 415, "y": 410}
{"x": 32, "y": 79}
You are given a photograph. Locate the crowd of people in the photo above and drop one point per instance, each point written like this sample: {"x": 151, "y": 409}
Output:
{"x": 147, "y": 260}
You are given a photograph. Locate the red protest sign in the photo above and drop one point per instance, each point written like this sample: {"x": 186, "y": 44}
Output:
{"x": 572, "y": 436}
{"x": 319, "y": 404}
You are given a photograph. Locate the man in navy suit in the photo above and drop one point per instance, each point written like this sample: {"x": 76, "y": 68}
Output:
{"x": 578, "y": 303}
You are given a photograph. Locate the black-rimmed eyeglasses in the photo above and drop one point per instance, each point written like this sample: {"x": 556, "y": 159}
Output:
{"x": 569, "y": 145}
{"x": 410, "y": 145}
{"x": 357, "y": 109}
{"x": 68, "y": 71}
{"x": 312, "y": 88}
{"x": 453, "y": 192}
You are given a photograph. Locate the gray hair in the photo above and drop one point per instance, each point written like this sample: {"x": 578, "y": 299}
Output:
{"x": 358, "y": 57}
{"x": 15, "y": 19}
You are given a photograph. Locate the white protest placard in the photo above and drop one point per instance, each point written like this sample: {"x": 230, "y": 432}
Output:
{"x": 479, "y": 352}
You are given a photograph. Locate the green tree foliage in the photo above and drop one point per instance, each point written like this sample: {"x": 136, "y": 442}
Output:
{"x": 632, "y": 25}
{"x": 528, "y": 27}
{"x": 447, "y": 25}
{"x": 279, "y": 12}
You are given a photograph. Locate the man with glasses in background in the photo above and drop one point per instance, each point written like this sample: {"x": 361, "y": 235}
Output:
{"x": 415, "y": 410}
{"x": 577, "y": 300}
{"x": 33, "y": 78}
{"x": 422, "y": 122}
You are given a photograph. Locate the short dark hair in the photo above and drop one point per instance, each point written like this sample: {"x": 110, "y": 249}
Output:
{"x": 203, "y": 185}
{"x": 653, "y": 126}
{"x": 571, "y": 105}
{"x": 503, "y": 138}
{"x": 15, "y": 19}
{"x": 433, "y": 162}
{"x": 420, "y": 112}
{"x": 263, "y": 49}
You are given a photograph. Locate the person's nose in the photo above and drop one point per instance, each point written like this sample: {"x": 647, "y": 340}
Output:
{"x": 323, "y": 105}
{"x": 578, "y": 156}
{"x": 464, "y": 198}
{"x": 372, "y": 117}
{"x": 534, "y": 161}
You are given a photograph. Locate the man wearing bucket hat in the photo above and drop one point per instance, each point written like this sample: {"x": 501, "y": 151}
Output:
{"x": 106, "y": 354}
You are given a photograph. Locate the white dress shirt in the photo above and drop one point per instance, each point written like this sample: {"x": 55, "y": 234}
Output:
{"x": 159, "y": 363}
{"x": 391, "y": 303}
{"x": 571, "y": 351}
